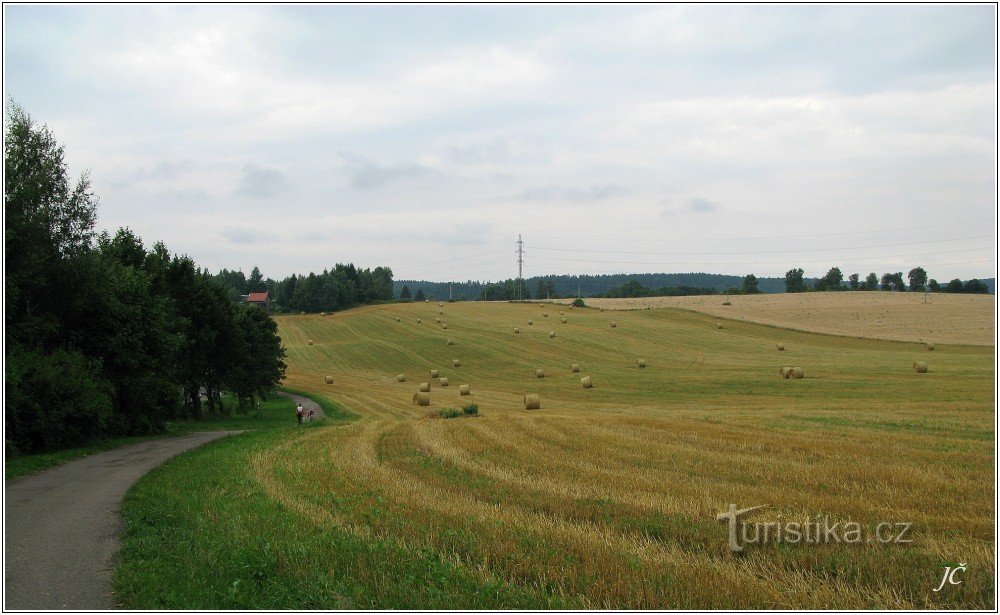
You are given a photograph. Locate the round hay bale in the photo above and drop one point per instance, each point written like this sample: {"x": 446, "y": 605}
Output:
{"x": 552, "y": 333}
{"x": 422, "y": 398}
{"x": 310, "y": 342}
{"x": 796, "y": 373}
{"x": 401, "y": 378}
{"x": 443, "y": 381}
{"x": 540, "y": 373}
{"x": 435, "y": 373}
{"x": 455, "y": 363}
{"x": 437, "y": 320}
{"x": 545, "y": 314}
{"x": 322, "y": 313}
{"x": 718, "y": 325}
{"x": 440, "y": 305}
{"x": 464, "y": 389}
{"x": 575, "y": 368}
{"x": 451, "y": 342}
{"x": 586, "y": 382}
{"x": 784, "y": 371}
{"x": 531, "y": 322}
{"x": 517, "y": 329}
{"x": 329, "y": 379}
{"x": 397, "y": 319}
{"x": 532, "y": 402}
{"x": 564, "y": 321}
{"x": 562, "y": 313}
{"x": 441, "y": 312}
{"x": 641, "y": 363}
{"x": 425, "y": 387}
{"x": 419, "y": 321}
{"x": 929, "y": 346}
{"x": 444, "y": 326}
{"x": 613, "y": 324}
{"x": 302, "y": 313}
{"x": 920, "y": 367}
{"x": 781, "y": 346}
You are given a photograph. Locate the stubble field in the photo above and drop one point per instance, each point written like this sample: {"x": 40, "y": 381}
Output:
{"x": 606, "y": 497}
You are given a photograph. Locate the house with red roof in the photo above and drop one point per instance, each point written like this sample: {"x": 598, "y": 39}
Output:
{"x": 262, "y": 299}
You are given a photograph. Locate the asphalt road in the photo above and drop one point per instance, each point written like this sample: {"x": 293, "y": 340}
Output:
{"x": 63, "y": 525}
{"x": 306, "y": 404}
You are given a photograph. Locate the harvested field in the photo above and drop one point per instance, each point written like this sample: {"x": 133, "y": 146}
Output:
{"x": 945, "y": 318}
{"x": 629, "y": 475}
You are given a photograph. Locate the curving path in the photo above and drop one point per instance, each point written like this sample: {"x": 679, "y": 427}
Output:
{"x": 63, "y": 528}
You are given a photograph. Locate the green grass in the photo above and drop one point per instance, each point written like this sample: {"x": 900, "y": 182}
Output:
{"x": 330, "y": 409}
{"x": 274, "y": 412}
{"x": 201, "y": 533}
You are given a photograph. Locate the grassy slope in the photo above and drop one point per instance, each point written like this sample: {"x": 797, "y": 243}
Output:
{"x": 605, "y": 497}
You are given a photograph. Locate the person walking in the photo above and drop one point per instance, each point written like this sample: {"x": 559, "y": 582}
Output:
{"x": 299, "y": 413}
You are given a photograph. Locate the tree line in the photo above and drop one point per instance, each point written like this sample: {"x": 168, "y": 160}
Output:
{"x": 106, "y": 337}
{"x": 339, "y": 288}
{"x": 915, "y": 281}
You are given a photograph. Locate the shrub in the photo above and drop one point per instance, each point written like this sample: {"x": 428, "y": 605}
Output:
{"x": 471, "y": 410}
{"x": 578, "y": 302}
{"x": 54, "y": 400}
{"x": 449, "y": 413}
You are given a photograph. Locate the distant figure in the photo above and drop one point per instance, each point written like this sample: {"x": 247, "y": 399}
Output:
{"x": 299, "y": 413}
{"x": 312, "y": 414}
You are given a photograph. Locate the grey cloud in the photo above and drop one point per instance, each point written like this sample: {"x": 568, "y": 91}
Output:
{"x": 243, "y": 235}
{"x": 366, "y": 174}
{"x": 701, "y": 205}
{"x": 580, "y": 195}
{"x": 261, "y": 182}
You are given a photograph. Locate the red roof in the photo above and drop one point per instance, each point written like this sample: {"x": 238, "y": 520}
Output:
{"x": 257, "y": 297}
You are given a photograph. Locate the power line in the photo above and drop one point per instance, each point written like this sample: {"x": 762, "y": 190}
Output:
{"x": 760, "y": 237}
{"x": 743, "y": 253}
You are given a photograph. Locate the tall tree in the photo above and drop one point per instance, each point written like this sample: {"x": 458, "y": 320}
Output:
{"x": 871, "y": 281}
{"x": 793, "y": 281}
{"x": 852, "y": 281}
{"x": 750, "y": 284}
{"x": 404, "y": 294}
{"x": 255, "y": 283}
{"x": 833, "y": 280}
{"x": 918, "y": 278}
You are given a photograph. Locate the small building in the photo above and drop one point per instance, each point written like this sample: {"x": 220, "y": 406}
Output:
{"x": 262, "y": 299}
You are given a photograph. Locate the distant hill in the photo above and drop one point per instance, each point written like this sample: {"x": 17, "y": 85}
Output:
{"x": 590, "y": 285}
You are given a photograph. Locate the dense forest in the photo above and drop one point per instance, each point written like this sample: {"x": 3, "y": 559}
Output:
{"x": 674, "y": 284}
{"x": 586, "y": 285}
{"x": 342, "y": 287}
{"x": 104, "y": 336}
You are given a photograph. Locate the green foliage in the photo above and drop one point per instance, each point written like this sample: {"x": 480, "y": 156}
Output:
{"x": 103, "y": 336}
{"x": 54, "y": 400}
{"x": 449, "y": 413}
{"x": 471, "y": 410}
{"x": 853, "y": 281}
{"x": 633, "y": 288}
{"x": 871, "y": 282}
{"x": 893, "y": 281}
{"x": 934, "y": 286}
{"x": 578, "y": 302}
{"x": 794, "y": 282}
{"x": 750, "y": 284}
{"x": 955, "y": 286}
{"x": 833, "y": 280}
{"x": 420, "y": 295}
{"x": 404, "y": 294}
{"x": 918, "y": 278}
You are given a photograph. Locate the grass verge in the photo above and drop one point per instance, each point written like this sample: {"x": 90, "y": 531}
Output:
{"x": 275, "y": 411}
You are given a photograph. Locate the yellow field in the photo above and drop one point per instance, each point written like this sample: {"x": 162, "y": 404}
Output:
{"x": 608, "y": 496}
{"x": 939, "y": 318}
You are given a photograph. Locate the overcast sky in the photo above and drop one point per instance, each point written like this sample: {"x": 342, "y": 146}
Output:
{"x": 726, "y": 139}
